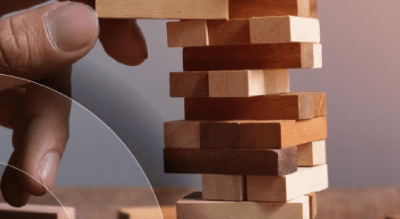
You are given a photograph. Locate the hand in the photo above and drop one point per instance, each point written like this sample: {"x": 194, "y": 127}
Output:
{"x": 42, "y": 44}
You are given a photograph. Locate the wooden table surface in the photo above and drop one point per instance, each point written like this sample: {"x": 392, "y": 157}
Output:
{"x": 341, "y": 203}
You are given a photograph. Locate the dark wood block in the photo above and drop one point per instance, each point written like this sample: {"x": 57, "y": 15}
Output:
{"x": 260, "y": 56}
{"x": 231, "y": 161}
{"x": 289, "y": 106}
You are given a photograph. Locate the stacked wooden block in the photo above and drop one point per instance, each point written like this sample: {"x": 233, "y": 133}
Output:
{"x": 260, "y": 148}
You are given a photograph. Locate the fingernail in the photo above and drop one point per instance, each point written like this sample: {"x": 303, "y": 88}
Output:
{"x": 72, "y": 26}
{"x": 48, "y": 168}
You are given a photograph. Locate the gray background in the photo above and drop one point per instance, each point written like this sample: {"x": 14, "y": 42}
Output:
{"x": 360, "y": 76}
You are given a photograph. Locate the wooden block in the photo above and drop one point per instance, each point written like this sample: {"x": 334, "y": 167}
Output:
{"x": 289, "y": 106}
{"x": 259, "y": 56}
{"x": 313, "y": 205}
{"x": 193, "y": 207}
{"x": 266, "y": 8}
{"x": 163, "y": 9}
{"x": 311, "y": 154}
{"x": 156, "y": 212}
{"x": 262, "y": 134}
{"x": 259, "y": 30}
{"x": 240, "y": 83}
{"x": 223, "y": 187}
{"x": 179, "y": 133}
{"x": 284, "y": 29}
{"x": 208, "y": 33}
{"x": 187, "y": 33}
{"x": 36, "y": 212}
{"x": 283, "y": 188}
{"x": 231, "y": 161}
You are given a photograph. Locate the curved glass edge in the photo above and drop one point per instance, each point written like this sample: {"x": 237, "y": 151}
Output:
{"x": 10, "y": 82}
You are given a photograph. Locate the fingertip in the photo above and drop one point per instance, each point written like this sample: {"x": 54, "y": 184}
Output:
{"x": 124, "y": 41}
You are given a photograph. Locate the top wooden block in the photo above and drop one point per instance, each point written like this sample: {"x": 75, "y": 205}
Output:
{"x": 163, "y": 9}
{"x": 204, "y": 9}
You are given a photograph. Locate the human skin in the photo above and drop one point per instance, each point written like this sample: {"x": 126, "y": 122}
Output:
{"x": 41, "y": 44}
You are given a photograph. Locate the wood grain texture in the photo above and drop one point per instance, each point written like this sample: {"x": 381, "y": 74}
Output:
{"x": 311, "y": 154}
{"x": 260, "y": 56}
{"x": 179, "y": 133}
{"x": 194, "y": 33}
{"x": 231, "y": 161}
{"x": 262, "y": 134}
{"x": 223, "y": 187}
{"x": 144, "y": 212}
{"x": 187, "y": 33}
{"x": 193, "y": 207}
{"x": 36, "y": 212}
{"x": 284, "y": 29}
{"x": 289, "y": 106}
{"x": 191, "y": 84}
{"x": 283, "y": 188}
{"x": 313, "y": 205}
{"x": 163, "y": 9}
{"x": 258, "y": 30}
{"x": 266, "y": 8}
{"x": 239, "y": 83}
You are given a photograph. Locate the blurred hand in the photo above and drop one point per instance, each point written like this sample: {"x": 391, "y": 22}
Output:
{"x": 41, "y": 44}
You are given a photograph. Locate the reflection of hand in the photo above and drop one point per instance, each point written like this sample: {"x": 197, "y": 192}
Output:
{"x": 35, "y": 45}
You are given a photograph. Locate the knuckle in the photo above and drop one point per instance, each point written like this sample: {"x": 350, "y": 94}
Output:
{"x": 18, "y": 52}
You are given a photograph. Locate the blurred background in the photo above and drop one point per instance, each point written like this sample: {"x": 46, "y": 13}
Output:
{"x": 360, "y": 75}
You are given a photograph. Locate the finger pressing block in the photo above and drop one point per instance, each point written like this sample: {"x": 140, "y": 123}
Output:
{"x": 231, "y": 161}
{"x": 288, "y": 106}
{"x": 36, "y": 212}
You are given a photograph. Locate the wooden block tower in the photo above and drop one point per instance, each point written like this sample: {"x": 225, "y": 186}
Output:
{"x": 261, "y": 149}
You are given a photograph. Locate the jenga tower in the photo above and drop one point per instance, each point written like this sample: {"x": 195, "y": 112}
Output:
{"x": 260, "y": 148}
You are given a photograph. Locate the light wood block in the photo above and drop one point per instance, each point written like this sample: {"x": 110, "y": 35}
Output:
{"x": 36, "y": 212}
{"x": 231, "y": 161}
{"x": 311, "y": 154}
{"x": 283, "y": 188}
{"x": 313, "y": 205}
{"x": 266, "y": 8}
{"x": 163, "y": 212}
{"x": 187, "y": 33}
{"x": 208, "y": 33}
{"x": 289, "y": 106}
{"x": 193, "y": 207}
{"x": 163, "y": 9}
{"x": 284, "y": 29}
{"x": 265, "y": 134}
{"x": 223, "y": 187}
{"x": 260, "y": 30}
{"x": 239, "y": 83}
{"x": 257, "y": 56}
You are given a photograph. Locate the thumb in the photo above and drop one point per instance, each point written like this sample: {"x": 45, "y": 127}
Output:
{"x": 35, "y": 43}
